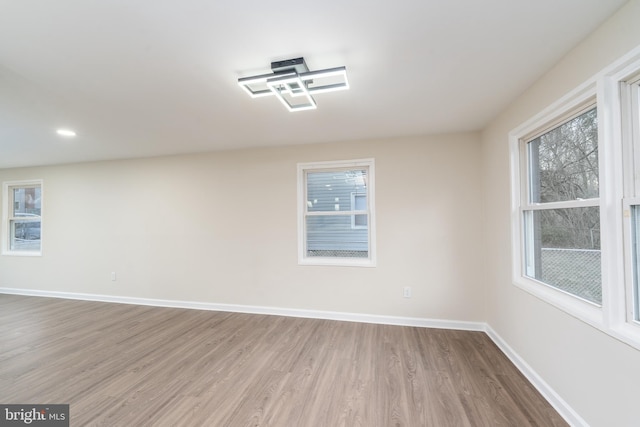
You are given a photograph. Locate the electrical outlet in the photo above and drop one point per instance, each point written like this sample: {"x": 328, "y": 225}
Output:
{"x": 406, "y": 292}
{"x": 113, "y": 276}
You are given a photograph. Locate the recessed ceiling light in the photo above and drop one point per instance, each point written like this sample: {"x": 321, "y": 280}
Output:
{"x": 66, "y": 132}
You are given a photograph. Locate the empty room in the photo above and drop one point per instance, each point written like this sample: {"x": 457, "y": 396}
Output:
{"x": 301, "y": 214}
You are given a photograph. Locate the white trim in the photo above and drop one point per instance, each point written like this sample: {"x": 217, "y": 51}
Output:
{"x": 565, "y": 204}
{"x": 536, "y": 380}
{"x": 612, "y": 171}
{"x": 620, "y": 89}
{"x": 568, "y": 103}
{"x": 254, "y": 309}
{"x": 337, "y": 262}
{"x": 554, "y": 399}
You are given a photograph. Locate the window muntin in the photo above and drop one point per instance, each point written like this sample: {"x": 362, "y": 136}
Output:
{"x": 336, "y": 210}
{"x": 22, "y": 218}
{"x": 560, "y": 210}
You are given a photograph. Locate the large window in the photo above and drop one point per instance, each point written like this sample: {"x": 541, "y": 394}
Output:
{"x": 560, "y": 210}
{"x": 336, "y": 212}
{"x": 630, "y": 91}
{"x": 22, "y": 218}
{"x": 576, "y": 202}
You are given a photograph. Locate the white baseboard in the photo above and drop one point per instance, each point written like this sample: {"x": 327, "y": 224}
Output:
{"x": 276, "y": 311}
{"x": 552, "y": 397}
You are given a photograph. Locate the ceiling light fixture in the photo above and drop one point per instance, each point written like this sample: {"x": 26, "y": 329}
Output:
{"x": 66, "y": 132}
{"x": 293, "y": 84}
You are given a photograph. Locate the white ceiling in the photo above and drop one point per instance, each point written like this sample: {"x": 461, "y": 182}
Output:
{"x": 152, "y": 77}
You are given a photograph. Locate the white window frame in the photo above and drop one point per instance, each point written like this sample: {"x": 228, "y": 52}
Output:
{"x": 519, "y": 138}
{"x": 527, "y": 207}
{"x": 616, "y": 168}
{"x": 7, "y": 211}
{"x": 303, "y": 168}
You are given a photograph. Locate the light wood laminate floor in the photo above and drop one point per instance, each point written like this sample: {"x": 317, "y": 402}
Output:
{"x": 127, "y": 365}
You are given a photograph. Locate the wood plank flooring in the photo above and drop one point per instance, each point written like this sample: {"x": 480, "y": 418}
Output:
{"x": 127, "y": 365}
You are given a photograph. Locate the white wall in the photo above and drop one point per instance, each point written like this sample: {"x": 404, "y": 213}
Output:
{"x": 596, "y": 375}
{"x": 221, "y": 228}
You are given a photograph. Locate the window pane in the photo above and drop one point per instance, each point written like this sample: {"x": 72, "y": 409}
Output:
{"x": 333, "y": 236}
{"x": 360, "y": 202}
{"x": 563, "y": 163}
{"x": 25, "y": 236}
{"x": 563, "y": 250}
{"x": 635, "y": 253}
{"x": 360, "y": 220}
{"x": 26, "y": 202}
{"x": 331, "y": 190}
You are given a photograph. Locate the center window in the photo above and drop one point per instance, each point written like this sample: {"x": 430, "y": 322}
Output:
{"x": 336, "y": 213}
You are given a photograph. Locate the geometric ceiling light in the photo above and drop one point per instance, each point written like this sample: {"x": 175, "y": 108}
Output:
{"x": 293, "y": 84}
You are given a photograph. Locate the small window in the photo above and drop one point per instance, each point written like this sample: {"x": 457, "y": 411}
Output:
{"x": 336, "y": 213}
{"x": 22, "y": 218}
{"x": 560, "y": 210}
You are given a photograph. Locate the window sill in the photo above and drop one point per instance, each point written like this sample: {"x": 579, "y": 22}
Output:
{"x": 581, "y": 309}
{"x": 585, "y": 311}
{"x": 21, "y": 253}
{"x": 337, "y": 262}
